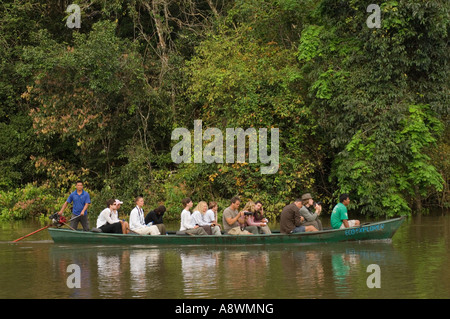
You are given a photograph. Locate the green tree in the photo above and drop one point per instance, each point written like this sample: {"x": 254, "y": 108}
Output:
{"x": 373, "y": 91}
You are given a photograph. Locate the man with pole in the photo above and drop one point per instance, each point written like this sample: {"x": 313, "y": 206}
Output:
{"x": 81, "y": 200}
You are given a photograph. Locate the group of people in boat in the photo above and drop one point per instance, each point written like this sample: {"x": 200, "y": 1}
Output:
{"x": 203, "y": 221}
{"x": 302, "y": 215}
{"x": 150, "y": 224}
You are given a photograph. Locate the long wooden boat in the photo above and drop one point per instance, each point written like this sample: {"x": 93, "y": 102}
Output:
{"x": 373, "y": 231}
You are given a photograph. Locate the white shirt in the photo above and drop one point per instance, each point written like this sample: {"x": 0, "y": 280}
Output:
{"x": 209, "y": 216}
{"x": 115, "y": 216}
{"x": 197, "y": 218}
{"x": 186, "y": 220}
{"x": 137, "y": 218}
{"x": 104, "y": 218}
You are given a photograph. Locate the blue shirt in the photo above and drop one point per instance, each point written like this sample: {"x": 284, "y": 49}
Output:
{"x": 79, "y": 201}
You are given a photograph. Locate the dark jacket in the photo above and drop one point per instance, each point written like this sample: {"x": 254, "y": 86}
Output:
{"x": 154, "y": 217}
{"x": 290, "y": 218}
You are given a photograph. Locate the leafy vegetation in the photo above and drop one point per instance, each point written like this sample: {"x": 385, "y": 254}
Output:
{"x": 359, "y": 110}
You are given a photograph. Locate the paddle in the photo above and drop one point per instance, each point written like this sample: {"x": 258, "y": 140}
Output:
{"x": 37, "y": 231}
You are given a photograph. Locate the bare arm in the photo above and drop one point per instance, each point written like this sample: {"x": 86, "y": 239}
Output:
{"x": 64, "y": 206}
{"x": 84, "y": 209}
{"x": 231, "y": 221}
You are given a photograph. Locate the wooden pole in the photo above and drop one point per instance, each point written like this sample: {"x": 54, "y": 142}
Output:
{"x": 36, "y": 231}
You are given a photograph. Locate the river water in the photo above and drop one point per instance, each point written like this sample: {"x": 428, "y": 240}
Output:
{"x": 415, "y": 264}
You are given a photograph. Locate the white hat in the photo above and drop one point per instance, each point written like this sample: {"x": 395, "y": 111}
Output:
{"x": 118, "y": 202}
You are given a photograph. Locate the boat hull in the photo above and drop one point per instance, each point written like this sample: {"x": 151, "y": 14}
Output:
{"x": 374, "y": 231}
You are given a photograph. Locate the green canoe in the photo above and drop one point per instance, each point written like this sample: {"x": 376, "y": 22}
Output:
{"x": 373, "y": 231}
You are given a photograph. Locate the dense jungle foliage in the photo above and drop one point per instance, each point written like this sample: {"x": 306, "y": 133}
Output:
{"x": 359, "y": 110}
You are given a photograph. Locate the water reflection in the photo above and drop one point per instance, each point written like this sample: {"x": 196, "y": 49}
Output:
{"x": 307, "y": 267}
{"x": 144, "y": 267}
{"x": 232, "y": 272}
{"x": 245, "y": 270}
{"x": 200, "y": 270}
{"x": 342, "y": 265}
{"x": 414, "y": 265}
{"x": 110, "y": 273}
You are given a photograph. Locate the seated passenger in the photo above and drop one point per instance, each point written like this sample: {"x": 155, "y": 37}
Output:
{"x": 259, "y": 212}
{"x": 187, "y": 223}
{"x": 197, "y": 216}
{"x": 115, "y": 217}
{"x": 234, "y": 221}
{"x": 211, "y": 214}
{"x": 258, "y": 219}
{"x": 105, "y": 222}
{"x": 155, "y": 217}
{"x": 339, "y": 216}
{"x": 290, "y": 219}
{"x": 137, "y": 220}
{"x": 311, "y": 217}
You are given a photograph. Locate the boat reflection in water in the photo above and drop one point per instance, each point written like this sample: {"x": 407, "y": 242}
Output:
{"x": 312, "y": 271}
{"x": 199, "y": 272}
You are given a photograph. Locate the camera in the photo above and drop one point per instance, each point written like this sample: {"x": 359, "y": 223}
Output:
{"x": 318, "y": 203}
{"x": 248, "y": 213}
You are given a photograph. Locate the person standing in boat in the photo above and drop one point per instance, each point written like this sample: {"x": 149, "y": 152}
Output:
{"x": 291, "y": 220}
{"x": 115, "y": 217}
{"x": 105, "y": 221}
{"x": 137, "y": 220}
{"x": 155, "y": 217}
{"x": 339, "y": 216}
{"x": 187, "y": 223}
{"x": 198, "y": 217}
{"x": 311, "y": 218}
{"x": 234, "y": 221}
{"x": 81, "y": 200}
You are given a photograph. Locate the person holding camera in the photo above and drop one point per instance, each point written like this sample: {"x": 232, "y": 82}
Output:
{"x": 234, "y": 221}
{"x": 251, "y": 219}
{"x": 311, "y": 212}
